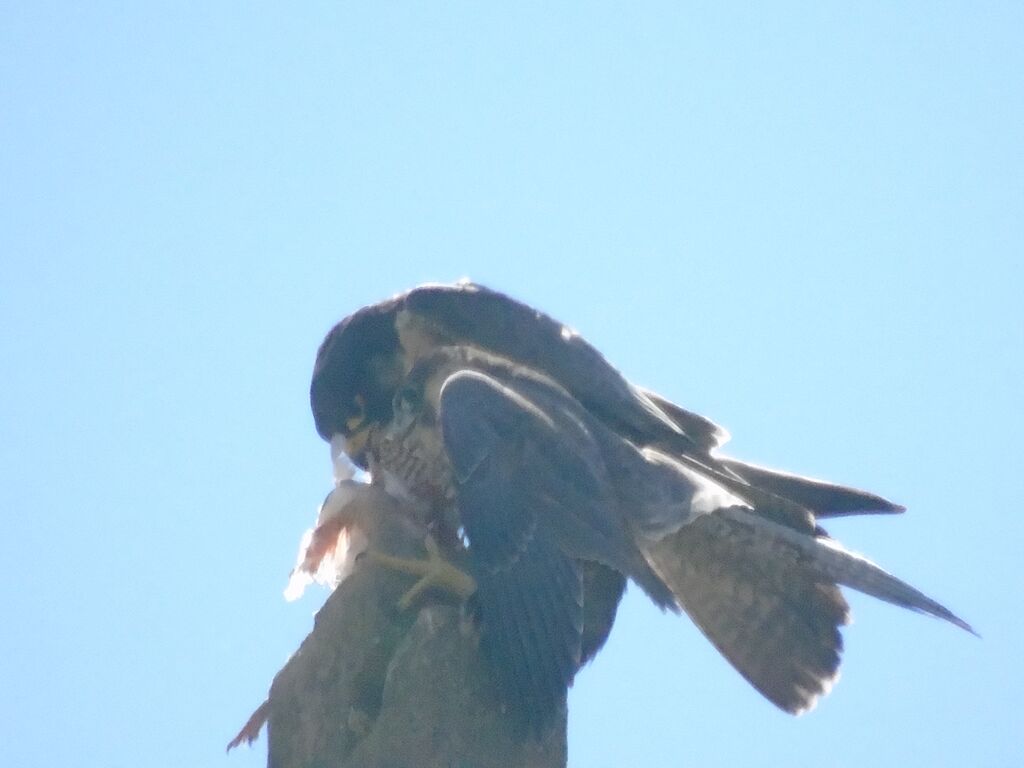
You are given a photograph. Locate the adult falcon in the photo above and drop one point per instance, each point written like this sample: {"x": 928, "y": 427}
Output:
{"x": 532, "y": 460}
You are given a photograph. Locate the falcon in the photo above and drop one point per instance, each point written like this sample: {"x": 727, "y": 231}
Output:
{"x": 551, "y": 480}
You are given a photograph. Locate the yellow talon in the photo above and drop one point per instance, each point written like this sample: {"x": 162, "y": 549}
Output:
{"x": 434, "y": 571}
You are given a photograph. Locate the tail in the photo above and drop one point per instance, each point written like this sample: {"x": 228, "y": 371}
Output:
{"x": 828, "y": 559}
{"x": 767, "y": 597}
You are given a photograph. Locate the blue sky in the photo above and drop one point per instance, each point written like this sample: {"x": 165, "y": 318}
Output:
{"x": 805, "y": 222}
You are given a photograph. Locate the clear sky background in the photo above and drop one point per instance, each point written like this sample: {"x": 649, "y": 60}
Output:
{"x": 806, "y": 222}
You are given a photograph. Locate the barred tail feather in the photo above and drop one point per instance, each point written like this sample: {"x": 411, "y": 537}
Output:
{"x": 830, "y": 560}
{"x": 776, "y": 622}
{"x": 767, "y": 597}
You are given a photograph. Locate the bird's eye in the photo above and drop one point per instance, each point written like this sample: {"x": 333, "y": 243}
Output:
{"x": 407, "y": 399}
{"x": 358, "y": 417}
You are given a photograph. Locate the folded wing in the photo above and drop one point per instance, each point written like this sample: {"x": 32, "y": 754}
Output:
{"x": 534, "y": 501}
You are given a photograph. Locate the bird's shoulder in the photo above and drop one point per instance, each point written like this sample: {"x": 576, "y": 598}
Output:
{"x": 532, "y": 345}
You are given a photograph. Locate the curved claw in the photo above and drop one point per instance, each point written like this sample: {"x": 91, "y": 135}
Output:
{"x": 434, "y": 571}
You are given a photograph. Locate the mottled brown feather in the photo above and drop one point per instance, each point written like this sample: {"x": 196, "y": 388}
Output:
{"x": 775, "y": 621}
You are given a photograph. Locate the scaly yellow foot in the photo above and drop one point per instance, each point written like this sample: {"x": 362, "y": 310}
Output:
{"x": 434, "y": 571}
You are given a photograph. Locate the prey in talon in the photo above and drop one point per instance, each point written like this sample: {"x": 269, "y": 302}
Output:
{"x": 554, "y": 480}
{"x": 358, "y": 521}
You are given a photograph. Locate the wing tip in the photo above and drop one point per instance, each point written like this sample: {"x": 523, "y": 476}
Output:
{"x": 882, "y": 507}
{"x": 947, "y": 615}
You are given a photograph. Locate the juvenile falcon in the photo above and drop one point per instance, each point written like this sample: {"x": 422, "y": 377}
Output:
{"x": 531, "y": 458}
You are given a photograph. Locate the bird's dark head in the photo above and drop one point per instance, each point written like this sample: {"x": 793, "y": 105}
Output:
{"x": 358, "y": 368}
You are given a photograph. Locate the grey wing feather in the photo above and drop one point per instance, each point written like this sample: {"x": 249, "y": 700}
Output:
{"x": 531, "y": 501}
{"x": 823, "y": 498}
{"x": 603, "y": 588}
{"x": 491, "y": 320}
{"x": 529, "y": 593}
{"x": 705, "y": 433}
{"x": 555, "y": 465}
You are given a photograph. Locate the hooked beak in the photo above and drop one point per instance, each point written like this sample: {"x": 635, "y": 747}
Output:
{"x": 355, "y": 443}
